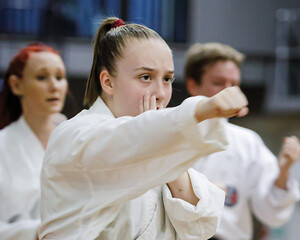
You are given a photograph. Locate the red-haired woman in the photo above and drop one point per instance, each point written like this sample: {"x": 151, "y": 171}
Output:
{"x": 34, "y": 92}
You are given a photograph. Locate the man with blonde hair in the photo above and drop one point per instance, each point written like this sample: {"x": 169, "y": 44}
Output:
{"x": 254, "y": 180}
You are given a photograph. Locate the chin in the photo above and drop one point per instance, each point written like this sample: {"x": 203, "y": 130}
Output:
{"x": 55, "y": 110}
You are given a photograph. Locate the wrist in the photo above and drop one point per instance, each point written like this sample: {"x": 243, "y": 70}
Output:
{"x": 282, "y": 179}
{"x": 204, "y": 110}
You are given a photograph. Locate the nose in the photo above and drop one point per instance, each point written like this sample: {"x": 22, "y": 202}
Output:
{"x": 159, "y": 90}
{"x": 53, "y": 84}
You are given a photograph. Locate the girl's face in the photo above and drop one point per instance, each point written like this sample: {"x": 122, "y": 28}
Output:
{"x": 43, "y": 85}
{"x": 144, "y": 78}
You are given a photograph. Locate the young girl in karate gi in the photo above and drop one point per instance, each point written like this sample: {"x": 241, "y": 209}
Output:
{"x": 120, "y": 170}
{"x": 34, "y": 91}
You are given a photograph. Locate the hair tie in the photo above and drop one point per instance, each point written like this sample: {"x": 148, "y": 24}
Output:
{"x": 117, "y": 23}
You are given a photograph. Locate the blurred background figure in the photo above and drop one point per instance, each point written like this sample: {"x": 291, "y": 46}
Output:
{"x": 247, "y": 171}
{"x": 268, "y": 32}
{"x": 32, "y": 98}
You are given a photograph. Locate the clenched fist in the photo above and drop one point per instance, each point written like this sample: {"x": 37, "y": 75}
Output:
{"x": 227, "y": 103}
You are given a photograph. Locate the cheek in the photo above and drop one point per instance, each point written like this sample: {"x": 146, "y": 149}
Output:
{"x": 134, "y": 93}
{"x": 63, "y": 87}
{"x": 216, "y": 89}
{"x": 35, "y": 91}
{"x": 129, "y": 99}
{"x": 213, "y": 90}
{"x": 168, "y": 94}
{"x": 35, "y": 98}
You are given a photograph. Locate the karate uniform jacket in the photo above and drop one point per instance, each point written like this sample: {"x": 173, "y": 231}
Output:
{"x": 105, "y": 177}
{"x": 21, "y": 156}
{"x": 248, "y": 170}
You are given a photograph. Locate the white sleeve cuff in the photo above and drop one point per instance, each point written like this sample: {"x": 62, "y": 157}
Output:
{"x": 211, "y": 132}
{"x": 210, "y": 204}
{"x": 25, "y": 229}
{"x": 281, "y": 197}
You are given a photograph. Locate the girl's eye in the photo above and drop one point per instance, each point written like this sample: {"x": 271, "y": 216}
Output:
{"x": 59, "y": 78}
{"x": 169, "y": 79}
{"x": 145, "y": 78}
{"x": 41, "y": 78}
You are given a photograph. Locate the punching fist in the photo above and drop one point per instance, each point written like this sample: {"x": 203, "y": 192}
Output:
{"x": 227, "y": 103}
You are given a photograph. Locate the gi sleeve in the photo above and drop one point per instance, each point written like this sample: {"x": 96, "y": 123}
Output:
{"x": 272, "y": 206}
{"x": 21, "y": 230}
{"x": 127, "y": 156}
{"x": 200, "y": 221}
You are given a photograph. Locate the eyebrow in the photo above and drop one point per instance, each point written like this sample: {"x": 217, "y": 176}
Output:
{"x": 42, "y": 69}
{"x": 45, "y": 69}
{"x": 151, "y": 69}
{"x": 224, "y": 78}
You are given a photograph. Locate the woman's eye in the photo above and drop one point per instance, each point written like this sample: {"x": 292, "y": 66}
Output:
{"x": 41, "y": 78}
{"x": 169, "y": 79}
{"x": 145, "y": 78}
{"x": 59, "y": 78}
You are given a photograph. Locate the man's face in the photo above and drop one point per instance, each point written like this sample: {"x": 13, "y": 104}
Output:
{"x": 216, "y": 77}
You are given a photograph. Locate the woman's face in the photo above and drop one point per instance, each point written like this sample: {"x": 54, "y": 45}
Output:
{"x": 43, "y": 85}
{"x": 144, "y": 78}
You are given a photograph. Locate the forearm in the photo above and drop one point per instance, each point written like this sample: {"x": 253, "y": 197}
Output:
{"x": 289, "y": 154}
{"x": 182, "y": 188}
{"x": 281, "y": 181}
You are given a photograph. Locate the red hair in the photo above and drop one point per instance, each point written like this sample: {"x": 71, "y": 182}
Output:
{"x": 10, "y": 106}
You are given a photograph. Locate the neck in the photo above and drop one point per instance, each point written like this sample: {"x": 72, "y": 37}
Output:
{"x": 108, "y": 102}
{"x": 41, "y": 124}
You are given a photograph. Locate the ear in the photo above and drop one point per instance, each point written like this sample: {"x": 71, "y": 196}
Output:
{"x": 15, "y": 85}
{"x": 106, "y": 82}
{"x": 192, "y": 87}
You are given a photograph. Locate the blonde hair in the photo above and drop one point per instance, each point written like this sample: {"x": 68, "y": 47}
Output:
{"x": 109, "y": 45}
{"x": 199, "y": 56}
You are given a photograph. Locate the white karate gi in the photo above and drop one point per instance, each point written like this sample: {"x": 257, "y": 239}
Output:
{"x": 248, "y": 167}
{"x": 21, "y": 156}
{"x": 104, "y": 177}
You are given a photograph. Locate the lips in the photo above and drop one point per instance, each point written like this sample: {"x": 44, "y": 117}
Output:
{"x": 52, "y": 99}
